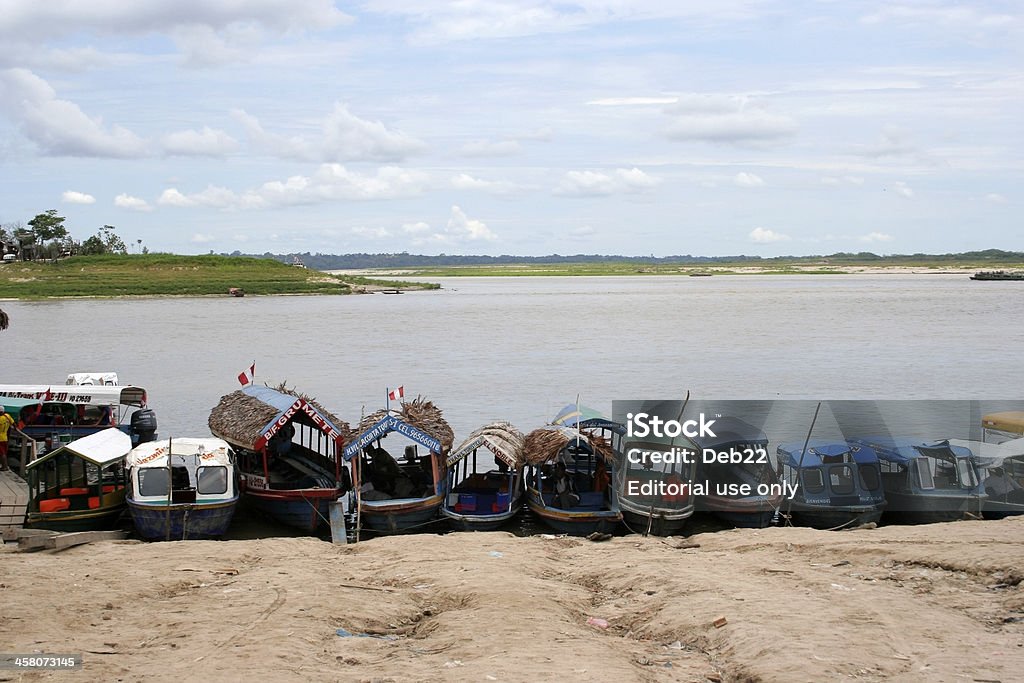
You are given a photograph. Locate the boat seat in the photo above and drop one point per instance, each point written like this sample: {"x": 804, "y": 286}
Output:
{"x": 110, "y": 488}
{"x": 94, "y": 502}
{"x": 75, "y": 491}
{"x": 54, "y": 505}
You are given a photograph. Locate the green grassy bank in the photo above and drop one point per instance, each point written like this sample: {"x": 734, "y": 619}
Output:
{"x": 172, "y": 275}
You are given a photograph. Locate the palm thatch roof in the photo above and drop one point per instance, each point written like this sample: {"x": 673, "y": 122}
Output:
{"x": 501, "y": 438}
{"x": 241, "y": 419}
{"x": 420, "y": 413}
{"x": 544, "y": 444}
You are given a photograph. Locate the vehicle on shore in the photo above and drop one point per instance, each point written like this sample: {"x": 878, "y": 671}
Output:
{"x": 401, "y": 497}
{"x": 836, "y": 485}
{"x": 288, "y": 452}
{"x": 480, "y": 497}
{"x": 80, "y": 486}
{"x": 182, "y": 488}
{"x": 926, "y": 481}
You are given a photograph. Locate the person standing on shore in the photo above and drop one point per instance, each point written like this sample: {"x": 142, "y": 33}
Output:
{"x": 6, "y": 422}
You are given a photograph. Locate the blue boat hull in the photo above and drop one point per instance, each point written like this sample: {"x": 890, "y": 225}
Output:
{"x": 574, "y": 523}
{"x": 303, "y": 512}
{"x": 187, "y": 521}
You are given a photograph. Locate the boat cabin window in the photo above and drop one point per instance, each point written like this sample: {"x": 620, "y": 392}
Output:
{"x": 840, "y": 479}
{"x": 813, "y": 480}
{"x": 153, "y": 481}
{"x": 967, "y": 475}
{"x": 924, "y": 474}
{"x": 869, "y": 477}
{"x": 212, "y": 480}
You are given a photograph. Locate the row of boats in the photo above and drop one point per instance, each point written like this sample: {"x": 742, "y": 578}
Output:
{"x": 292, "y": 459}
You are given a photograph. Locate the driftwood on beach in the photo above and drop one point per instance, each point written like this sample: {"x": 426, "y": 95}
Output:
{"x": 240, "y": 418}
{"x": 544, "y": 444}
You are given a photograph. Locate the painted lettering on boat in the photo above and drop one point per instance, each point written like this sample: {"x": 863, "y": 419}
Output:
{"x": 286, "y": 416}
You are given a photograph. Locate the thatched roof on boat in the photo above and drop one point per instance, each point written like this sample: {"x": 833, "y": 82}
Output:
{"x": 503, "y": 439}
{"x": 421, "y": 414}
{"x": 544, "y": 444}
{"x": 241, "y": 418}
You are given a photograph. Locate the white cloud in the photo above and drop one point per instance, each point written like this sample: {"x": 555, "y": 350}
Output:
{"x": 876, "y": 237}
{"x": 583, "y": 231}
{"x": 842, "y": 180}
{"x": 459, "y": 230}
{"x": 995, "y": 198}
{"x": 59, "y": 127}
{"x": 632, "y": 101}
{"x": 417, "y": 228}
{"x": 765, "y": 236}
{"x": 725, "y": 119}
{"x": 903, "y": 190}
{"x": 488, "y": 148}
{"x": 330, "y": 182}
{"x": 205, "y": 142}
{"x": 599, "y": 184}
{"x": 345, "y": 137}
{"x": 126, "y": 201}
{"x": 464, "y": 181}
{"x": 72, "y": 197}
{"x": 202, "y": 238}
{"x": 744, "y": 179}
{"x": 956, "y": 16}
{"x": 377, "y": 233}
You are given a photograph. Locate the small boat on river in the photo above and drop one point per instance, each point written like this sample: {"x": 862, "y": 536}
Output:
{"x": 480, "y": 497}
{"x": 183, "y": 488}
{"x": 288, "y": 452}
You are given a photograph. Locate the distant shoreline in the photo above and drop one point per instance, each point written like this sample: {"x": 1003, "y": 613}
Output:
{"x": 609, "y": 270}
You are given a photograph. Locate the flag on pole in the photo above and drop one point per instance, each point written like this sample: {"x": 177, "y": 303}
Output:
{"x": 247, "y": 376}
{"x": 397, "y": 393}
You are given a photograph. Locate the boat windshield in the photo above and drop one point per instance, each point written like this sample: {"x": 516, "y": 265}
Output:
{"x": 924, "y": 474}
{"x": 212, "y": 480}
{"x": 840, "y": 479}
{"x": 968, "y": 477}
{"x": 869, "y": 478}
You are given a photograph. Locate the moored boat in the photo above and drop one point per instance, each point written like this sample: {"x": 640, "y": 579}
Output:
{"x": 836, "y": 485}
{"x": 399, "y": 498}
{"x": 478, "y": 496}
{"x": 725, "y": 482}
{"x": 926, "y": 481}
{"x": 288, "y": 452}
{"x": 568, "y": 480}
{"x": 81, "y": 485}
{"x": 1000, "y": 275}
{"x": 182, "y": 488}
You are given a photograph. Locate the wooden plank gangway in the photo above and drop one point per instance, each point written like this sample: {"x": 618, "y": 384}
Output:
{"x": 13, "y": 501}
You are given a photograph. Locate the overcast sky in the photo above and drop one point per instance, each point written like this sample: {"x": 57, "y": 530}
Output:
{"x": 518, "y": 126}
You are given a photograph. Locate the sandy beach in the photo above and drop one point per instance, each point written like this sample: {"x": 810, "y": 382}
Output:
{"x": 940, "y": 603}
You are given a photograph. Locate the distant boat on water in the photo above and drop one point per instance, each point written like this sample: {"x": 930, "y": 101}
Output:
{"x": 998, "y": 275}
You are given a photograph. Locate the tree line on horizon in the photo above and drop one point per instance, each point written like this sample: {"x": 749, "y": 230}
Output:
{"x": 319, "y": 261}
{"x": 46, "y": 237}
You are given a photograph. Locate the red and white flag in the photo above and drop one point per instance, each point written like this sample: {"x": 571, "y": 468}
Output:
{"x": 396, "y": 394}
{"x": 247, "y": 376}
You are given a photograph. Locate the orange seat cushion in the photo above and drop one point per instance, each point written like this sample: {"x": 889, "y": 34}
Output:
{"x": 94, "y": 502}
{"x": 54, "y": 505}
{"x": 78, "y": 491}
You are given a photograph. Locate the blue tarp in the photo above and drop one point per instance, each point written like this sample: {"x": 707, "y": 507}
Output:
{"x": 789, "y": 453}
{"x": 901, "y": 450}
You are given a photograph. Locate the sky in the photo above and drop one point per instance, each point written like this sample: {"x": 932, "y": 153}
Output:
{"x": 528, "y": 127}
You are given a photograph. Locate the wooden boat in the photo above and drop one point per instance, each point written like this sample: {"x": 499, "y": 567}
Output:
{"x": 838, "y": 485}
{"x": 478, "y": 500}
{"x": 753, "y": 510}
{"x": 64, "y": 413}
{"x": 399, "y": 498}
{"x": 182, "y": 488}
{"x": 288, "y": 452}
{"x": 588, "y": 459}
{"x": 926, "y": 481}
{"x": 1004, "y": 426}
{"x": 1000, "y": 275}
{"x": 79, "y": 486}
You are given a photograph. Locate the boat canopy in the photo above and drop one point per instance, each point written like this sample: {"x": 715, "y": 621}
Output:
{"x": 1011, "y": 421}
{"x": 902, "y": 450}
{"x": 583, "y": 417}
{"x": 101, "y": 449}
{"x": 386, "y": 425}
{"x": 500, "y": 438}
{"x": 548, "y": 443}
{"x": 210, "y": 451}
{"x": 89, "y": 378}
{"x": 14, "y": 406}
{"x": 817, "y": 450}
{"x": 79, "y": 395}
{"x": 250, "y": 416}
{"x": 988, "y": 455}
{"x": 730, "y": 431}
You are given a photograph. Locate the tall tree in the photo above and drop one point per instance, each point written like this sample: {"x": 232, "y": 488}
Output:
{"x": 49, "y": 226}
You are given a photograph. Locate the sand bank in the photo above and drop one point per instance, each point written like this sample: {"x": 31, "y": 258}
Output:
{"x": 939, "y": 603}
